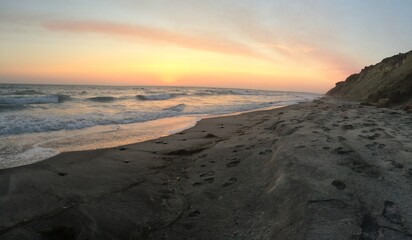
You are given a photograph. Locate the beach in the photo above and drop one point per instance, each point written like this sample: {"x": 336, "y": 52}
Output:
{"x": 205, "y": 120}
{"x": 327, "y": 169}
{"x": 41, "y": 121}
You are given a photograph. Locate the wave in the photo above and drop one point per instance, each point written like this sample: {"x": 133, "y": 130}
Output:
{"x": 63, "y": 97}
{"x": 176, "y": 108}
{"x": 5, "y": 107}
{"x": 211, "y": 92}
{"x": 36, "y": 124}
{"x": 102, "y": 99}
{"x": 156, "y": 95}
{"x": 26, "y": 92}
{"x": 163, "y": 96}
{"x": 16, "y": 100}
{"x": 23, "y": 124}
{"x": 24, "y": 99}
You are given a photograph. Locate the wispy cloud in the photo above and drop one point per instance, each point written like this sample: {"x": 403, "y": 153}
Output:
{"x": 154, "y": 34}
{"x": 303, "y": 52}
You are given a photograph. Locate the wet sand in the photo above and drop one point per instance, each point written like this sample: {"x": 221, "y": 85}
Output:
{"x": 329, "y": 169}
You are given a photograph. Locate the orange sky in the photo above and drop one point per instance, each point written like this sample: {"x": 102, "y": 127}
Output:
{"x": 238, "y": 45}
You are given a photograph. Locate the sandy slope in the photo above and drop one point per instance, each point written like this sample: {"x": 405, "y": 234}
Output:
{"x": 323, "y": 170}
{"x": 388, "y": 83}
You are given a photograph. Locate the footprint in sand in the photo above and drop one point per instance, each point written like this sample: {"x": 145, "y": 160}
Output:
{"x": 207, "y": 174}
{"x": 340, "y": 138}
{"x": 359, "y": 165}
{"x": 341, "y": 150}
{"x": 370, "y": 124}
{"x": 188, "y": 226}
{"x": 210, "y": 135}
{"x": 370, "y": 137}
{"x": 265, "y": 152}
{"x": 203, "y": 155}
{"x": 195, "y": 213}
{"x": 396, "y": 164}
{"x": 300, "y": 146}
{"x": 197, "y": 184}
{"x": 326, "y": 129}
{"x": 206, "y": 180}
{"x": 391, "y": 212}
{"x": 209, "y": 180}
{"x": 229, "y": 182}
{"x": 348, "y": 127}
{"x": 375, "y": 145}
{"x": 233, "y": 163}
{"x": 339, "y": 184}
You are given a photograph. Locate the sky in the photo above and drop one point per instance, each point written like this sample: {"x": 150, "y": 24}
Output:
{"x": 284, "y": 45}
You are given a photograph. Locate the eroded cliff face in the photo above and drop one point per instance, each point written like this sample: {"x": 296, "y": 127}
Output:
{"x": 388, "y": 83}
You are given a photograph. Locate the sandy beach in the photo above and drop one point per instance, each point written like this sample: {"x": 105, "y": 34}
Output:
{"x": 206, "y": 120}
{"x": 328, "y": 169}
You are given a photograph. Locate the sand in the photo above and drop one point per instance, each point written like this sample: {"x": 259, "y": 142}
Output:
{"x": 329, "y": 169}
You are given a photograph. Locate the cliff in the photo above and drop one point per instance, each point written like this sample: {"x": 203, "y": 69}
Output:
{"x": 388, "y": 83}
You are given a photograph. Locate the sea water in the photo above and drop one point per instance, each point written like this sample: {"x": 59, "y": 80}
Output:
{"x": 40, "y": 121}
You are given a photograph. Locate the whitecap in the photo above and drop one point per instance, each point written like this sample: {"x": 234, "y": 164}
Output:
{"x": 176, "y": 108}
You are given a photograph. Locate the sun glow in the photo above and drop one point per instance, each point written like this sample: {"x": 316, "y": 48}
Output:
{"x": 106, "y": 61}
{"x": 125, "y": 63}
{"x": 172, "y": 45}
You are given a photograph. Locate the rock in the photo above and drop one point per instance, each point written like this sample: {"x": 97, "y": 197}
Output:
{"x": 408, "y": 108}
{"x": 383, "y": 102}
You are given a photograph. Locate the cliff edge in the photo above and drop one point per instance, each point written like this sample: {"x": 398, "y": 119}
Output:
{"x": 388, "y": 83}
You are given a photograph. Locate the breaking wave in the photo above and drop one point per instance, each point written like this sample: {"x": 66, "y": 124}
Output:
{"x": 32, "y": 99}
{"x": 176, "y": 108}
{"x": 163, "y": 96}
{"x": 26, "y": 92}
{"x": 102, "y": 99}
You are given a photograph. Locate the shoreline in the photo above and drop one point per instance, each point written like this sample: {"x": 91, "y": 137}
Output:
{"x": 45, "y": 145}
{"x": 327, "y": 169}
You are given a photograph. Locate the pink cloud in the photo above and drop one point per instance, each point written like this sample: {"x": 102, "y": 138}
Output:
{"x": 154, "y": 34}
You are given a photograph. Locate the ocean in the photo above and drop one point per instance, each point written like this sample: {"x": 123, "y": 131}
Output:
{"x": 40, "y": 121}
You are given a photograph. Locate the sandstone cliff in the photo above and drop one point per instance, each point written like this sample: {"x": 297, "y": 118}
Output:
{"x": 388, "y": 83}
